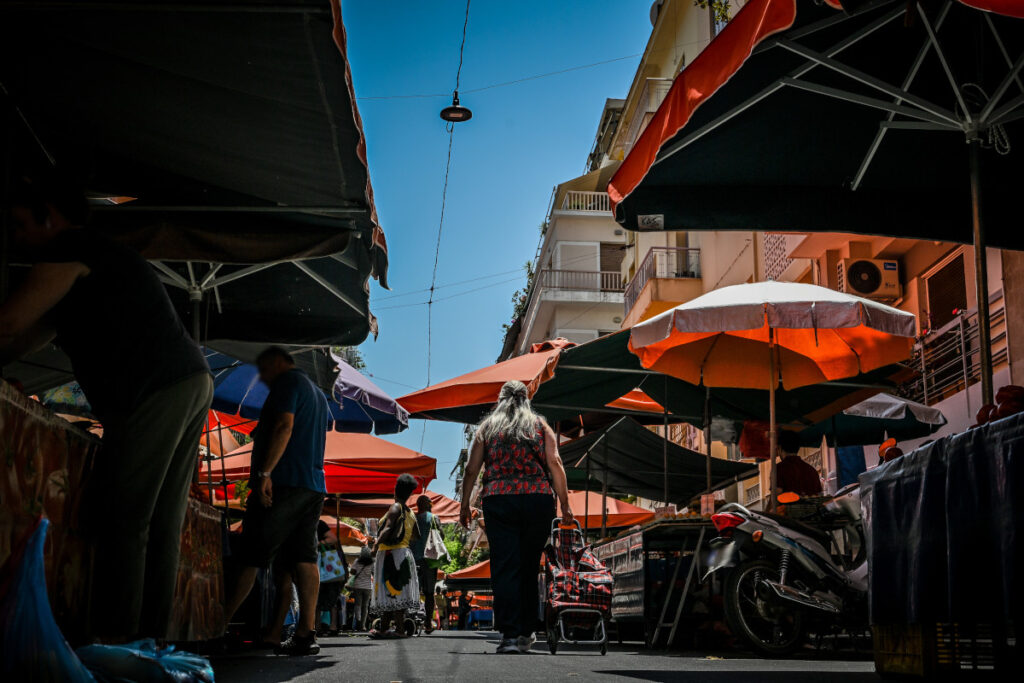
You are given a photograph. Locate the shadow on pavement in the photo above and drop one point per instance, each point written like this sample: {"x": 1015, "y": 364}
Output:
{"x": 737, "y": 675}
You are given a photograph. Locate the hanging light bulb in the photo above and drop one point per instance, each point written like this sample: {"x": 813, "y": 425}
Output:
{"x": 456, "y": 113}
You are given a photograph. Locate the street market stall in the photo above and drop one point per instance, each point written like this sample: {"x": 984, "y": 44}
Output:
{"x": 471, "y": 584}
{"x": 654, "y": 566}
{"x": 48, "y": 464}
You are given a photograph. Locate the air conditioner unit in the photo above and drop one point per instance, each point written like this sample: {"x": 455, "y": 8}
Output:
{"x": 870, "y": 278}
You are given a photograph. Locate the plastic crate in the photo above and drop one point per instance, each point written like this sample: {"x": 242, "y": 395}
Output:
{"x": 944, "y": 650}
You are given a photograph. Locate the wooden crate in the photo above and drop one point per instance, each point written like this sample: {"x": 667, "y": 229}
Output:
{"x": 930, "y": 651}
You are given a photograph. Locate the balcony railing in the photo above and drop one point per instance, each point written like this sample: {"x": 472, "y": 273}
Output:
{"x": 948, "y": 360}
{"x": 650, "y": 99}
{"x": 581, "y": 280}
{"x": 663, "y": 262}
{"x": 596, "y": 202}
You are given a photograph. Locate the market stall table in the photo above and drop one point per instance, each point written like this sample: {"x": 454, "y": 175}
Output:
{"x": 654, "y": 568}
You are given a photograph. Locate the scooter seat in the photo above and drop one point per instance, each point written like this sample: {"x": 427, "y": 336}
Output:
{"x": 822, "y": 537}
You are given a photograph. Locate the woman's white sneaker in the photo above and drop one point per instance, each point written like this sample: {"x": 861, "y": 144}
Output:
{"x": 524, "y": 643}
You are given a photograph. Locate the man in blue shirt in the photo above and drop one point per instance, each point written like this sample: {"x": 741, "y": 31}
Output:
{"x": 286, "y": 479}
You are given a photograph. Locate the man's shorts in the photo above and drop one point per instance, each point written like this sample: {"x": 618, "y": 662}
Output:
{"x": 285, "y": 531}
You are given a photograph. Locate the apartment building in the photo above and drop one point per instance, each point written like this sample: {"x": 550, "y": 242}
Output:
{"x": 576, "y": 291}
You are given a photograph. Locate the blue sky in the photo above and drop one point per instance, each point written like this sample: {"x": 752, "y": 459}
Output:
{"x": 523, "y": 139}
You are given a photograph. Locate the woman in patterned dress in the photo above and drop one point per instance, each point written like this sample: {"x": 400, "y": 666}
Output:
{"x": 396, "y": 588}
{"x": 522, "y": 474}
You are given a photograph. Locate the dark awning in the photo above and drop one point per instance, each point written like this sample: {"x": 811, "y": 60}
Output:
{"x": 593, "y": 374}
{"x": 234, "y": 129}
{"x": 804, "y": 118}
{"x": 631, "y": 459}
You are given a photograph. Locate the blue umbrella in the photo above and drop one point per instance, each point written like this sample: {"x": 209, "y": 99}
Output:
{"x": 358, "y": 405}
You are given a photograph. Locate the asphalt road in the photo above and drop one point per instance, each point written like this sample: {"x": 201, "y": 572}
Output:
{"x": 469, "y": 656}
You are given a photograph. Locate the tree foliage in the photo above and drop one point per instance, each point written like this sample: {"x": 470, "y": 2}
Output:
{"x": 722, "y": 9}
{"x": 351, "y": 355}
{"x": 520, "y": 298}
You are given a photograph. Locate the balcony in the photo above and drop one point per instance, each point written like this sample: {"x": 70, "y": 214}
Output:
{"x": 662, "y": 263}
{"x": 586, "y": 202}
{"x": 948, "y": 361}
{"x": 580, "y": 280}
{"x": 651, "y": 97}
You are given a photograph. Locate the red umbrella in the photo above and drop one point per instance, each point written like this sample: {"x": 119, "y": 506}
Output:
{"x": 360, "y": 451}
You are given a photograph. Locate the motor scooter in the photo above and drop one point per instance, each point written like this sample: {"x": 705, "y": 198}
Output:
{"x": 786, "y": 577}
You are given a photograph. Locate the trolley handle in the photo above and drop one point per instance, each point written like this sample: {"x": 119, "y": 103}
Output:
{"x": 556, "y": 523}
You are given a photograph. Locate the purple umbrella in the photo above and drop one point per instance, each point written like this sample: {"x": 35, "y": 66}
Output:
{"x": 364, "y": 402}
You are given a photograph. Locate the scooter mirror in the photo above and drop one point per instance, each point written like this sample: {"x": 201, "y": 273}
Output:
{"x": 788, "y": 497}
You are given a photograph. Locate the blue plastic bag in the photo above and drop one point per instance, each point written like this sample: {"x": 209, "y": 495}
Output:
{"x": 32, "y": 648}
{"x": 144, "y": 662}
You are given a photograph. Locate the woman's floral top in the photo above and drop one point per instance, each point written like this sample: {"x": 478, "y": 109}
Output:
{"x": 515, "y": 467}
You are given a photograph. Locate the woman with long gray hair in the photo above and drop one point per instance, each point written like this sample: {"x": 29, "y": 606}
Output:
{"x": 522, "y": 474}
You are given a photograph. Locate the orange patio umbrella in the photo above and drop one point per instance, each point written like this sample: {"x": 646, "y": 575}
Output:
{"x": 638, "y": 401}
{"x": 619, "y": 513}
{"x": 758, "y": 335}
{"x": 480, "y": 570}
{"x": 467, "y": 397}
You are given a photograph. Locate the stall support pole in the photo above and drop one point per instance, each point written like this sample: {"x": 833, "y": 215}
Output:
{"x": 981, "y": 274}
{"x": 586, "y": 500}
{"x": 707, "y": 433}
{"x": 773, "y": 434}
{"x": 604, "y": 495}
{"x": 209, "y": 464}
{"x": 664, "y": 445}
{"x": 223, "y": 471}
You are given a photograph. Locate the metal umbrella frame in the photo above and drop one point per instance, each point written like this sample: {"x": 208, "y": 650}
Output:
{"x": 871, "y": 85}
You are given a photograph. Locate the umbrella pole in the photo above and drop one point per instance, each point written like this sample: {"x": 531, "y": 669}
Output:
{"x": 586, "y": 500}
{"x": 773, "y": 434}
{"x": 223, "y": 471}
{"x": 981, "y": 274}
{"x": 707, "y": 432}
{"x": 664, "y": 445}
{"x": 209, "y": 463}
{"x": 604, "y": 494}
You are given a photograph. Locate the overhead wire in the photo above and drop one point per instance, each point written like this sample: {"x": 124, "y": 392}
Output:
{"x": 524, "y": 79}
{"x": 440, "y": 223}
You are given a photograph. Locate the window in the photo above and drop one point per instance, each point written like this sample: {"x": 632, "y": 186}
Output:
{"x": 585, "y": 256}
{"x": 947, "y": 292}
{"x": 578, "y": 336}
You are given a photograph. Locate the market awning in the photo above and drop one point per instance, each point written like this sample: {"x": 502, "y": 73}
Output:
{"x": 799, "y": 117}
{"x": 361, "y": 451}
{"x": 468, "y": 397}
{"x": 629, "y": 458}
{"x": 221, "y": 140}
{"x": 589, "y": 510}
{"x": 480, "y": 570}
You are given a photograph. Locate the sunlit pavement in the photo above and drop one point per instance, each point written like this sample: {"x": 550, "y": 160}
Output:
{"x": 469, "y": 656}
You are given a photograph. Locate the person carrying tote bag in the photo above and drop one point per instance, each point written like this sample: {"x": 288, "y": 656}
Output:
{"x": 426, "y": 565}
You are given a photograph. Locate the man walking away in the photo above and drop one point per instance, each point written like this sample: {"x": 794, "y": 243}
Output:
{"x": 146, "y": 381}
{"x": 287, "y": 482}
